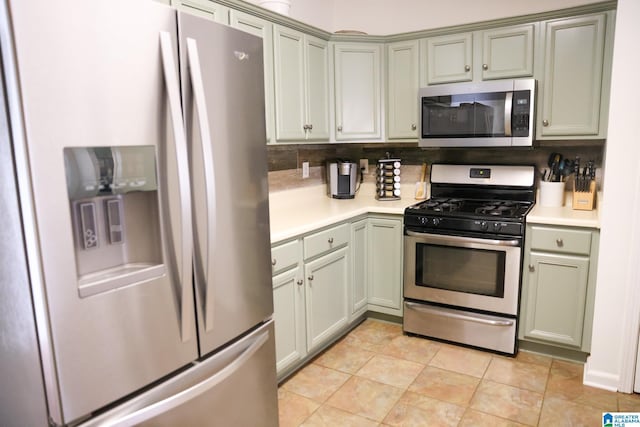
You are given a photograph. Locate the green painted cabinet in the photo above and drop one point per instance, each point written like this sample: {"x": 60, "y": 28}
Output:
{"x": 384, "y": 258}
{"x": 448, "y": 59}
{"x": 301, "y": 86}
{"x": 571, "y": 89}
{"x": 558, "y": 286}
{"x": 289, "y": 318}
{"x": 206, "y": 9}
{"x": 261, "y": 28}
{"x": 402, "y": 89}
{"x": 288, "y": 305}
{"x": 508, "y": 52}
{"x": 357, "y": 91}
{"x": 359, "y": 267}
{"x": 327, "y": 283}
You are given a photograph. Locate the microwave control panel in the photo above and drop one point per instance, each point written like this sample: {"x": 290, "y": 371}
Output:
{"x": 520, "y": 113}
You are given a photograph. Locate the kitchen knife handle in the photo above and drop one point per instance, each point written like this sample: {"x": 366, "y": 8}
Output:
{"x": 182, "y": 160}
{"x": 209, "y": 173}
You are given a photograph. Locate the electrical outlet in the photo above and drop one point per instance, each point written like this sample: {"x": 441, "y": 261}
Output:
{"x": 305, "y": 169}
{"x": 364, "y": 164}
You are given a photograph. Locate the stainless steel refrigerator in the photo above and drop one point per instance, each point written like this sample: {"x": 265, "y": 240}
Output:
{"x": 135, "y": 254}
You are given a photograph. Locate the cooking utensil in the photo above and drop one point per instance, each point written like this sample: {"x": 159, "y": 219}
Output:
{"x": 421, "y": 190}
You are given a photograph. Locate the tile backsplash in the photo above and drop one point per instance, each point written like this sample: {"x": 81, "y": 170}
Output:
{"x": 285, "y": 161}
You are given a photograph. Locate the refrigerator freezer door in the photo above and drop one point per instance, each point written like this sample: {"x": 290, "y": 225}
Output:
{"x": 89, "y": 81}
{"x": 223, "y": 93}
{"x": 234, "y": 387}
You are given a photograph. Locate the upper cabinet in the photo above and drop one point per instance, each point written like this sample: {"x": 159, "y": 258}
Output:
{"x": 402, "y": 89}
{"x": 358, "y": 95}
{"x": 448, "y": 58}
{"x": 261, "y": 28}
{"x": 500, "y": 53}
{"x": 206, "y": 9}
{"x": 507, "y": 52}
{"x": 301, "y": 86}
{"x": 571, "y": 90}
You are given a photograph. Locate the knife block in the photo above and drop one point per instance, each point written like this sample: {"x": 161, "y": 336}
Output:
{"x": 584, "y": 200}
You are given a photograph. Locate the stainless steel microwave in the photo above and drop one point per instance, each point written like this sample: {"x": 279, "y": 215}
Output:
{"x": 496, "y": 113}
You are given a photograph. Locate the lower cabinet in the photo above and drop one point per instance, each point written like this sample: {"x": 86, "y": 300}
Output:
{"x": 325, "y": 281}
{"x": 289, "y": 318}
{"x": 558, "y": 286}
{"x": 384, "y": 256}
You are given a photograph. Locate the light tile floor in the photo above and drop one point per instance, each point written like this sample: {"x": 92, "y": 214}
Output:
{"x": 376, "y": 376}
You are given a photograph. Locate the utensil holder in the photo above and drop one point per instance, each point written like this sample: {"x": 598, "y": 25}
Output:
{"x": 584, "y": 200}
{"x": 551, "y": 194}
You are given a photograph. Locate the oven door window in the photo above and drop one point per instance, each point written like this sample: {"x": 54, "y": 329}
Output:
{"x": 469, "y": 270}
{"x": 464, "y": 116}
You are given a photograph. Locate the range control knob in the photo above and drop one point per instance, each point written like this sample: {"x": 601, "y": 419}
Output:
{"x": 424, "y": 220}
{"x": 497, "y": 226}
{"x": 484, "y": 225}
{"x": 436, "y": 221}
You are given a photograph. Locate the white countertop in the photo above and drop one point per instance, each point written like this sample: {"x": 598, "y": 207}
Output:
{"x": 301, "y": 210}
{"x": 565, "y": 215}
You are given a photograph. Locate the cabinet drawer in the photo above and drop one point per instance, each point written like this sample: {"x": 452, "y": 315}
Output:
{"x": 561, "y": 240}
{"x": 325, "y": 241}
{"x": 284, "y": 256}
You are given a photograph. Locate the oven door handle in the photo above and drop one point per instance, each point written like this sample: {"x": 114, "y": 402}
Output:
{"x": 420, "y": 307}
{"x": 443, "y": 239}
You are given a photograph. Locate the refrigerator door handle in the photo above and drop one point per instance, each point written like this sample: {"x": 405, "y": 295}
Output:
{"x": 177, "y": 399}
{"x": 182, "y": 159}
{"x": 209, "y": 176}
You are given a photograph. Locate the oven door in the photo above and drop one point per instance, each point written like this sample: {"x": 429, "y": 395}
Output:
{"x": 474, "y": 273}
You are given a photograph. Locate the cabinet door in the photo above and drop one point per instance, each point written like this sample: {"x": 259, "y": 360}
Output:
{"x": 261, "y": 28}
{"x": 449, "y": 58}
{"x": 573, "y": 66}
{"x": 317, "y": 88}
{"x": 358, "y": 289}
{"x": 206, "y": 9}
{"x": 289, "y": 84}
{"x": 288, "y": 315}
{"x": 402, "y": 86}
{"x": 554, "y": 298}
{"x": 385, "y": 264}
{"x": 507, "y": 52}
{"x": 326, "y": 292}
{"x": 357, "y": 91}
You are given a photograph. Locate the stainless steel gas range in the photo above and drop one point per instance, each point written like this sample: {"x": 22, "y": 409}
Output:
{"x": 463, "y": 255}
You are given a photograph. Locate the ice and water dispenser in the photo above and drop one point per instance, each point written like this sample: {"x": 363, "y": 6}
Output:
{"x": 114, "y": 202}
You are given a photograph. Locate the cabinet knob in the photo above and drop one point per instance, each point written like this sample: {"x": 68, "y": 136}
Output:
{"x": 340, "y": 128}
{"x": 299, "y": 282}
{"x": 545, "y": 123}
{"x": 310, "y": 278}
{"x": 485, "y": 66}
{"x": 413, "y": 126}
{"x": 531, "y": 268}
{"x": 310, "y": 126}
{"x": 330, "y": 240}
{"x": 273, "y": 262}
{"x": 559, "y": 242}
{"x": 467, "y": 68}
{"x": 305, "y": 127}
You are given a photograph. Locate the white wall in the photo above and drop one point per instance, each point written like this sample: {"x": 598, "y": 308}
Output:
{"x": 616, "y": 309}
{"x": 382, "y": 17}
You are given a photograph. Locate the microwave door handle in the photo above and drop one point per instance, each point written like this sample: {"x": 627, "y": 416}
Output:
{"x": 461, "y": 239}
{"x": 209, "y": 175}
{"x": 508, "y": 109}
{"x": 182, "y": 160}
